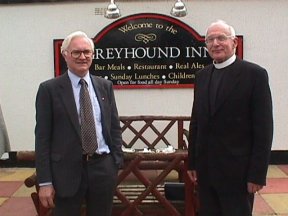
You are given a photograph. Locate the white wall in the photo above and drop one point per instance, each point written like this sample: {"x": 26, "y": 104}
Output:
{"x": 26, "y": 55}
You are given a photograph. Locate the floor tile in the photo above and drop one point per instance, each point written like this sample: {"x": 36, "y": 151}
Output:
{"x": 275, "y": 172}
{"x": 2, "y": 200}
{"x": 7, "y": 189}
{"x": 15, "y": 174}
{"x": 15, "y": 197}
{"x": 265, "y": 214}
{"x": 278, "y": 202}
{"x": 18, "y": 206}
{"x": 261, "y": 207}
{"x": 284, "y": 168}
{"x": 276, "y": 185}
{"x": 24, "y": 191}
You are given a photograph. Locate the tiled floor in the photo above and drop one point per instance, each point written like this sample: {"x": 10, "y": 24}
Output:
{"x": 15, "y": 197}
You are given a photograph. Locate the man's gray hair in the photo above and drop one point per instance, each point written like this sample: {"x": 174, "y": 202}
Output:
{"x": 224, "y": 24}
{"x": 68, "y": 39}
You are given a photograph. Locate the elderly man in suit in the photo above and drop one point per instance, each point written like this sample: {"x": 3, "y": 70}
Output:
{"x": 231, "y": 128}
{"x": 4, "y": 139}
{"x": 68, "y": 171}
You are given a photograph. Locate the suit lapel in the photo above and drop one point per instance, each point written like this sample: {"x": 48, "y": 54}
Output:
{"x": 66, "y": 93}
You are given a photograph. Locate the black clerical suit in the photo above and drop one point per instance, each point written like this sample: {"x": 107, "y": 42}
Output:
{"x": 230, "y": 138}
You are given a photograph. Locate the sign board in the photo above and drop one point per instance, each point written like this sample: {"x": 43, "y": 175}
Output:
{"x": 147, "y": 50}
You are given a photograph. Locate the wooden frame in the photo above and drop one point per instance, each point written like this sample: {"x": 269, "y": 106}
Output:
{"x": 138, "y": 163}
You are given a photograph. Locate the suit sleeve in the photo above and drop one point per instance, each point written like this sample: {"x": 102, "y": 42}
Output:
{"x": 193, "y": 134}
{"x": 43, "y": 134}
{"x": 115, "y": 131}
{"x": 262, "y": 121}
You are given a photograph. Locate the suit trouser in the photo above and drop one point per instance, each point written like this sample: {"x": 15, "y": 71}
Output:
{"x": 98, "y": 185}
{"x": 216, "y": 201}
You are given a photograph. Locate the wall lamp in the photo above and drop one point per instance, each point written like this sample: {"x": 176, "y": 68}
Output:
{"x": 112, "y": 11}
{"x": 179, "y": 9}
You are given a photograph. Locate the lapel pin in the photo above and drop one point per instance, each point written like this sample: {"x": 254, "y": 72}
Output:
{"x": 103, "y": 99}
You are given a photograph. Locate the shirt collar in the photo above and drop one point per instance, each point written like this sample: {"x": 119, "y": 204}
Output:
{"x": 225, "y": 63}
{"x": 75, "y": 79}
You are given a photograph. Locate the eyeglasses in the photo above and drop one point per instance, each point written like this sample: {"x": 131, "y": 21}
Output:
{"x": 220, "y": 38}
{"x": 77, "y": 53}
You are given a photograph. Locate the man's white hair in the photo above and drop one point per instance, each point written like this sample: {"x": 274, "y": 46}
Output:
{"x": 224, "y": 24}
{"x": 68, "y": 39}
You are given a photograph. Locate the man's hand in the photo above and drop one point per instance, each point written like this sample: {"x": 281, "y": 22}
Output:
{"x": 253, "y": 188}
{"x": 193, "y": 175}
{"x": 46, "y": 195}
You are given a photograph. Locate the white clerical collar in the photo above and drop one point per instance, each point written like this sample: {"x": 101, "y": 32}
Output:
{"x": 225, "y": 63}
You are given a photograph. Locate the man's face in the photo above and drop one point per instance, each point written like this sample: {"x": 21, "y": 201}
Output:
{"x": 78, "y": 56}
{"x": 221, "y": 45}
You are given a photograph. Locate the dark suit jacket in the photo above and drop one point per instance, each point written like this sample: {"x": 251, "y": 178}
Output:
{"x": 57, "y": 132}
{"x": 232, "y": 144}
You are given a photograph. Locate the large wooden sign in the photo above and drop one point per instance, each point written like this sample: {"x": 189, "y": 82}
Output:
{"x": 147, "y": 51}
